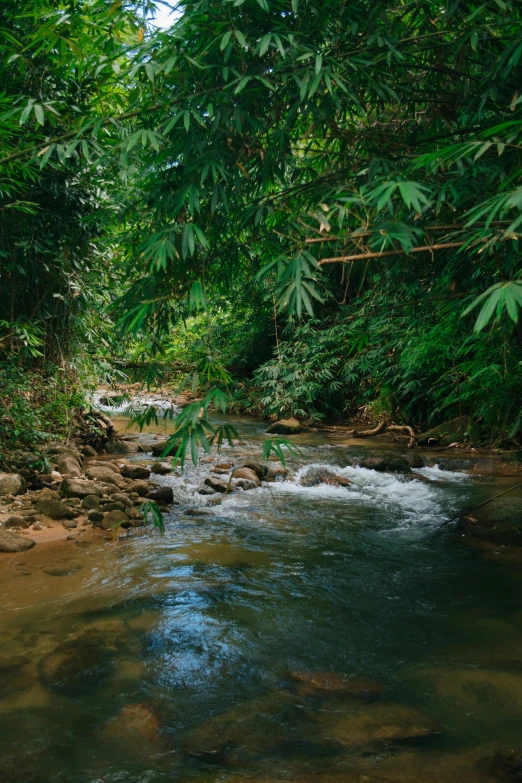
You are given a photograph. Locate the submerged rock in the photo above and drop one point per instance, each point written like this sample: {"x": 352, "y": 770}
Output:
{"x": 12, "y": 484}
{"x": 76, "y": 667}
{"x": 377, "y": 723}
{"x": 285, "y": 427}
{"x": 136, "y": 729}
{"x": 11, "y": 542}
{"x": 310, "y": 683}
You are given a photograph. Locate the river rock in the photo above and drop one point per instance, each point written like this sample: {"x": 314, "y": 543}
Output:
{"x": 162, "y": 495}
{"x": 80, "y": 489}
{"x": 121, "y": 447}
{"x": 323, "y": 475}
{"x": 55, "y": 510}
{"x": 247, "y": 473}
{"x": 260, "y": 470}
{"x": 43, "y": 494}
{"x": 205, "y": 490}
{"x": 95, "y": 516}
{"x": 276, "y": 472}
{"x": 91, "y": 502}
{"x": 135, "y": 472}
{"x": 76, "y": 667}
{"x": 140, "y": 487}
{"x": 114, "y": 519}
{"x": 415, "y": 460}
{"x": 67, "y": 465}
{"x": 101, "y": 473}
{"x": 162, "y": 468}
{"x": 103, "y": 463}
{"x": 245, "y": 484}
{"x": 23, "y": 522}
{"x": 334, "y": 683}
{"x": 120, "y": 497}
{"x": 12, "y": 484}
{"x": 88, "y": 451}
{"x": 135, "y": 729}
{"x": 285, "y": 427}
{"x": 217, "y": 484}
{"x": 113, "y": 506}
{"x": 391, "y": 464}
{"x": 377, "y": 723}
{"x": 11, "y": 542}
{"x": 159, "y": 448}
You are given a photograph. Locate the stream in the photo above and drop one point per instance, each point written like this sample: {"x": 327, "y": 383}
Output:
{"x": 288, "y": 634}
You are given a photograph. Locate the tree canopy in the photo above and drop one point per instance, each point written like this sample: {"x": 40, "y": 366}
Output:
{"x": 352, "y": 158}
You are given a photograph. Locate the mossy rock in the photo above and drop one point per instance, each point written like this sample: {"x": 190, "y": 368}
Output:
{"x": 454, "y": 431}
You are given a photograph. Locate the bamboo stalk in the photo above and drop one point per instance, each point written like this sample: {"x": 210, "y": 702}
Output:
{"x": 386, "y": 253}
{"x": 449, "y": 227}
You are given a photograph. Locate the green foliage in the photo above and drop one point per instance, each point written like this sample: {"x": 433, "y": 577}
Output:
{"x": 150, "y": 508}
{"x": 37, "y": 404}
{"x": 276, "y": 445}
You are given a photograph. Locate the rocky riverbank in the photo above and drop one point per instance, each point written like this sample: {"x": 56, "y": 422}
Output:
{"x": 81, "y": 493}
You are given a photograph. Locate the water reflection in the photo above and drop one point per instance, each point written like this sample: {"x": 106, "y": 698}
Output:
{"x": 321, "y": 633}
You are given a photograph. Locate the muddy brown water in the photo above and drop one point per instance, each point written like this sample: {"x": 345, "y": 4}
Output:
{"x": 296, "y": 634}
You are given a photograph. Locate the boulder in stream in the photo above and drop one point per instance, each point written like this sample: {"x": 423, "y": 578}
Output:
{"x": 323, "y": 475}
{"x": 285, "y": 427}
{"x": 386, "y": 464}
{"x": 248, "y": 474}
{"x": 162, "y": 468}
{"x": 162, "y": 495}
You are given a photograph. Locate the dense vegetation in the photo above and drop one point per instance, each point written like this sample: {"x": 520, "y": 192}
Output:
{"x": 310, "y": 194}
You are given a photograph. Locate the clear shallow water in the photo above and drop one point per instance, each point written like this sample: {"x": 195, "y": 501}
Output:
{"x": 221, "y": 650}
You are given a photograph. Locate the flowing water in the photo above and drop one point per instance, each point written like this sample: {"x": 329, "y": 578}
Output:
{"x": 291, "y": 633}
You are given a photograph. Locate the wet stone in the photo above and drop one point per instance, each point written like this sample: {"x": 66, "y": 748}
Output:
{"x": 162, "y": 495}
{"x": 11, "y": 542}
{"x": 77, "y": 667}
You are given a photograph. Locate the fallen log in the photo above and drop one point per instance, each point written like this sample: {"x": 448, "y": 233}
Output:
{"x": 404, "y": 428}
{"x": 370, "y": 433}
